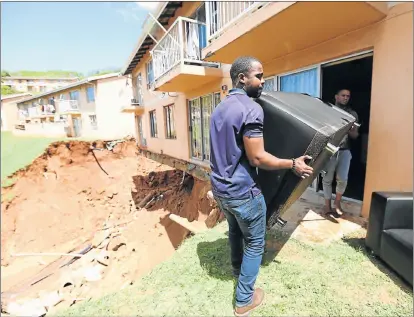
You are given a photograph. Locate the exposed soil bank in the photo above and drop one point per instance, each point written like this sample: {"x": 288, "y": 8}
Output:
{"x": 65, "y": 199}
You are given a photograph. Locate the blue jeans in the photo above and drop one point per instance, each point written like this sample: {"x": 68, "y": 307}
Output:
{"x": 247, "y": 221}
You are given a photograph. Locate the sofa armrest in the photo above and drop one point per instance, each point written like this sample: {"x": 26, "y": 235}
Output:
{"x": 376, "y": 222}
{"x": 389, "y": 210}
{"x": 399, "y": 211}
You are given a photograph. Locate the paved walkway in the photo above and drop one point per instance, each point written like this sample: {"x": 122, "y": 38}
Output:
{"x": 305, "y": 219}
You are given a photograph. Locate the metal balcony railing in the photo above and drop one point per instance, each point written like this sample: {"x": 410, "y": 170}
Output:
{"x": 221, "y": 14}
{"x": 182, "y": 43}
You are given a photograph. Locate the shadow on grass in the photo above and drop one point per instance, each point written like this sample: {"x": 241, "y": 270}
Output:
{"x": 358, "y": 243}
{"x": 215, "y": 256}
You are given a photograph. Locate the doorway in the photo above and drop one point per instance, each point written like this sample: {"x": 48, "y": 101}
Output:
{"x": 354, "y": 74}
{"x": 77, "y": 126}
{"x": 140, "y": 131}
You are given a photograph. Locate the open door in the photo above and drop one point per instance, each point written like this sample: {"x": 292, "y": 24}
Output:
{"x": 355, "y": 74}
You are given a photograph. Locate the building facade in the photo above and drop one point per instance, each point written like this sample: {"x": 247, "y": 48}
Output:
{"x": 36, "y": 85}
{"x": 9, "y": 115}
{"x": 89, "y": 108}
{"x": 180, "y": 71}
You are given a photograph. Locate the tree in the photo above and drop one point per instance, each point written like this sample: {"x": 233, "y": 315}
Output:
{"x": 5, "y": 73}
{"x": 6, "y": 90}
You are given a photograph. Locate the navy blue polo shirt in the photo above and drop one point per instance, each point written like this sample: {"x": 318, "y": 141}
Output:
{"x": 236, "y": 116}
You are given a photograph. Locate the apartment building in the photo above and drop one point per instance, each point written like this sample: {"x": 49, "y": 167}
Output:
{"x": 175, "y": 89}
{"x": 87, "y": 108}
{"x": 36, "y": 85}
{"x": 179, "y": 71}
{"x": 9, "y": 116}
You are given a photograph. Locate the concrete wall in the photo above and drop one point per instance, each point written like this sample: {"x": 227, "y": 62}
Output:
{"x": 9, "y": 115}
{"x": 390, "y": 145}
{"x": 110, "y": 95}
{"x": 46, "y": 129}
{"x": 9, "y": 112}
{"x": 390, "y": 154}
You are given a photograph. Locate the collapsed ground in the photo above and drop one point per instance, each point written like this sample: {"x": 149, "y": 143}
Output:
{"x": 107, "y": 202}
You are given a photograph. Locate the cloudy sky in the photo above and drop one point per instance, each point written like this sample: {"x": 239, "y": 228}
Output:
{"x": 75, "y": 36}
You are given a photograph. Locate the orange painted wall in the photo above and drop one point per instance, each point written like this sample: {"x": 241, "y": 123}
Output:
{"x": 390, "y": 145}
{"x": 178, "y": 147}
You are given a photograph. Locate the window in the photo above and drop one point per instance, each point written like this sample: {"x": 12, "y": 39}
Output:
{"x": 270, "y": 84}
{"x": 94, "y": 122}
{"x": 74, "y": 95}
{"x": 200, "y": 16}
{"x": 150, "y": 74}
{"x": 90, "y": 94}
{"x": 138, "y": 95}
{"x": 169, "y": 122}
{"x": 306, "y": 81}
{"x": 153, "y": 124}
{"x": 200, "y": 112}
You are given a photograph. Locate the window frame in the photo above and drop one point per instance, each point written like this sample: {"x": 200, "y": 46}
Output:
{"x": 87, "y": 94}
{"x": 169, "y": 122}
{"x": 153, "y": 124}
{"x": 215, "y": 103}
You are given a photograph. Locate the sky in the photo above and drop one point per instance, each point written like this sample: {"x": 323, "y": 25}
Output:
{"x": 72, "y": 36}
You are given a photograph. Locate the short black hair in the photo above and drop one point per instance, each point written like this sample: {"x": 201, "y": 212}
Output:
{"x": 241, "y": 65}
{"x": 339, "y": 90}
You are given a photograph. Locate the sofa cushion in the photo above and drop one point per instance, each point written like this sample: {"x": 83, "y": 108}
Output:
{"x": 404, "y": 236}
{"x": 397, "y": 252}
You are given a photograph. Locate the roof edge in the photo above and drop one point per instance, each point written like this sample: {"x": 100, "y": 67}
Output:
{"x": 143, "y": 35}
{"x": 78, "y": 83}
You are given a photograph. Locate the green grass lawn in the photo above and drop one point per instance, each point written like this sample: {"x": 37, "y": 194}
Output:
{"x": 19, "y": 151}
{"x": 339, "y": 279}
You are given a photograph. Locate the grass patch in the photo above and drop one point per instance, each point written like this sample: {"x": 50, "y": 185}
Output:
{"x": 18, "y": 152}
{"x": 304, "y": 279}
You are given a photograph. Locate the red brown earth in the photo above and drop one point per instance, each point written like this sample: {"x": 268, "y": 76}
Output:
{"x": 62, "y": 202}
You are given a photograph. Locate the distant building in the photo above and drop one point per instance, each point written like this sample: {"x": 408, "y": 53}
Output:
{"x": 91, "y": 107}
{"x": 36, "y": 84}
{"x": 9, "y": 115}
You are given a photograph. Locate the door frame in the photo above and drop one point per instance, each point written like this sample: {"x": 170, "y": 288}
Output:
{"x": 276, "y": 77}
{"x": 337, "y": 61}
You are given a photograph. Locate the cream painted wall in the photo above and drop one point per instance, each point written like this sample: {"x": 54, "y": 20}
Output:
{"x": 110, "y": 95}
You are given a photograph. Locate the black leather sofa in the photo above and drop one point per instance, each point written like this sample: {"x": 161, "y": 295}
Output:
{"x": 390, "y": 231}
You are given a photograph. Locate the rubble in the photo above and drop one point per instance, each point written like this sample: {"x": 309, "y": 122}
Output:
{"x": 112, "y": 221}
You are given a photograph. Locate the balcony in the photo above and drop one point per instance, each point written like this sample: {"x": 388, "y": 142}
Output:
{"x": 223, "y": 14}
{"x": 67, "y": 106}
{"x": 177, "y": 61}
{"x": 269, "y": 30}
{"x": 134, "y": 107}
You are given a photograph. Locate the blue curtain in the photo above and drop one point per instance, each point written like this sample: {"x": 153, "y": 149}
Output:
{"x": 303, "y": 82}
{"x": 202, "y": 36}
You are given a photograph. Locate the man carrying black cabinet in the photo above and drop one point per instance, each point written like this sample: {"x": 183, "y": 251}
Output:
{"x": 237, "y": 149}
